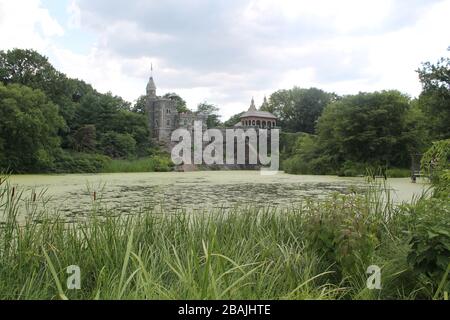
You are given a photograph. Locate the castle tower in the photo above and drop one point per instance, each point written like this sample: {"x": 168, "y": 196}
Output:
{"x": 162, "y": 114}
{"x": 151, "y": 88}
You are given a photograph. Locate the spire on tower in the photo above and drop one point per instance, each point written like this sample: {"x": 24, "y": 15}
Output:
{"x": 252, "y": 105}
{"x": 151, "y": 87}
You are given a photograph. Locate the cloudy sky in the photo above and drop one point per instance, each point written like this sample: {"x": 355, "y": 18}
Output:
{"x": 226, "y": 51}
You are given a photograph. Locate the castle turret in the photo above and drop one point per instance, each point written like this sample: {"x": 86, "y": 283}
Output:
{"x": 151, "y": 88}
{"x": 252, "y": 105}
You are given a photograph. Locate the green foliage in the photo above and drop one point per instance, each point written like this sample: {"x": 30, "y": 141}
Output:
{"x": 179, "y": 102}
{"x": 305, "y": 158}
{"x": 155, "y": 163}
{"x": 161, "y": 163}
{"x": 233, "y": 120}
{"x": 29, "y": 129}
{"x": 435, "y": 98}
{"x": 211, "y": 111}
{"x": 84, "y": 139}
{"x": 398, "y": 173}
{"x": 298, "y": 109}
{"x": 429, "y": 255}
{"x": 352, "y": 169}
{"x": 139, "y": 105}
{"x": 344, "y": 235}
{"x": 317, "y": 250}
{"x": 84, "y": 121}
{"x": 117, "y": 145}
{"x": 75, "y": 162}
{"x": 368, "y": 130}
{"x": 436, "y": 162}
{"x": 289, "y": 143}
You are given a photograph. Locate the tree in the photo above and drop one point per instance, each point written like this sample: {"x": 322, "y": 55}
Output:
{"x": 88, "y": 117}
{"x": 140, "y": 105}
{"x": 133, "y": 124}
{"x": 117, "y": 145}
{"x": 211, "y": 111}
{"x": 29, "y": 129}
{"x": 365, "y": 128}
{"x": 435, "y": 97}
{"x": 179, "y": 102}
{"x": 233, "y": 120}
{"x": 298, "y": 109}
{"x": 29, "y": 68}
{"x": 84, "y": 139}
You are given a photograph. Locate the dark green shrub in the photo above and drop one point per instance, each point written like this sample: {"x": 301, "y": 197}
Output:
{"x": 343, "y": 234}
{"x": 352, "y": 169}
{"x": 118, "y": 145}
{"x": 296, "y": 165}
{"x": 161, "y": 163}
{"x": 436, "y": 162}
{"x": 429, "y": 230}
{"x": 398, "y": 173}
{"x": 72, "y": 162}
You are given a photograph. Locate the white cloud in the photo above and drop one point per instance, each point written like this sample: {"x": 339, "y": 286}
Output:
{"x": 227, "y": 51}
{"x": 74, "y": 12}
{"x": 25, "y": 24}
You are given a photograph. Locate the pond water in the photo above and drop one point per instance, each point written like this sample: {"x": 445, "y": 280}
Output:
{"x": 72, "y": 194}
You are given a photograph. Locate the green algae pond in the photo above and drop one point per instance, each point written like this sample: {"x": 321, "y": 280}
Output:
{"x": 73, "y": 194}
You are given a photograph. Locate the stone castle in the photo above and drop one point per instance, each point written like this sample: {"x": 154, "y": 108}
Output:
{"x": 163, "y": 117}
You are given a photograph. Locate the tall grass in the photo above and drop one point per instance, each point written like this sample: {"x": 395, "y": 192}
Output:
{"x": 244, "y": 253}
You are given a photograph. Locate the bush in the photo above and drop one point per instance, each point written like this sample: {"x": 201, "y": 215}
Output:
{"x": 429, "y": 232}
{"x": 352, "y": 169}
{"x": 343, "y": 234}
{"x": 118, "y": 145}
{"x": 398, "y": 173}
{"x": 304, "y": 158}
{"x": 161, "y": 163}
{"x": 436, "y": 162}
{"x": 156, "y": 163}
{"x": 296, "y": 165}
{"x": 72, "y": 162}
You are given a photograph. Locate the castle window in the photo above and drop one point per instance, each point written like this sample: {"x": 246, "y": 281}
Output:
{"x": 168, "y": 122}
{"x": 156, "y": 123}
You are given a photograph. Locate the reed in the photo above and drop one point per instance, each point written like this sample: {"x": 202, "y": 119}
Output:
{"x": 243, "y": 253}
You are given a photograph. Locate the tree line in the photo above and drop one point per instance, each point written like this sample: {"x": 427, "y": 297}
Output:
{"x": 323, "y": 133}
{"x": 52, "y": 123}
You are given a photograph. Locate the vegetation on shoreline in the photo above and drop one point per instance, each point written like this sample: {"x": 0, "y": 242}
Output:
{"x": 157, "y": 163}
{"x": 51, "y": 123}
{"x": 317, "y": 250}
{"x": 366, "y": 130}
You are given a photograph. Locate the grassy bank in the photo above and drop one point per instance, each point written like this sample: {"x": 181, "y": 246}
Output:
{"x": 318, "y": 250}
{"x": 156, "y": 163}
